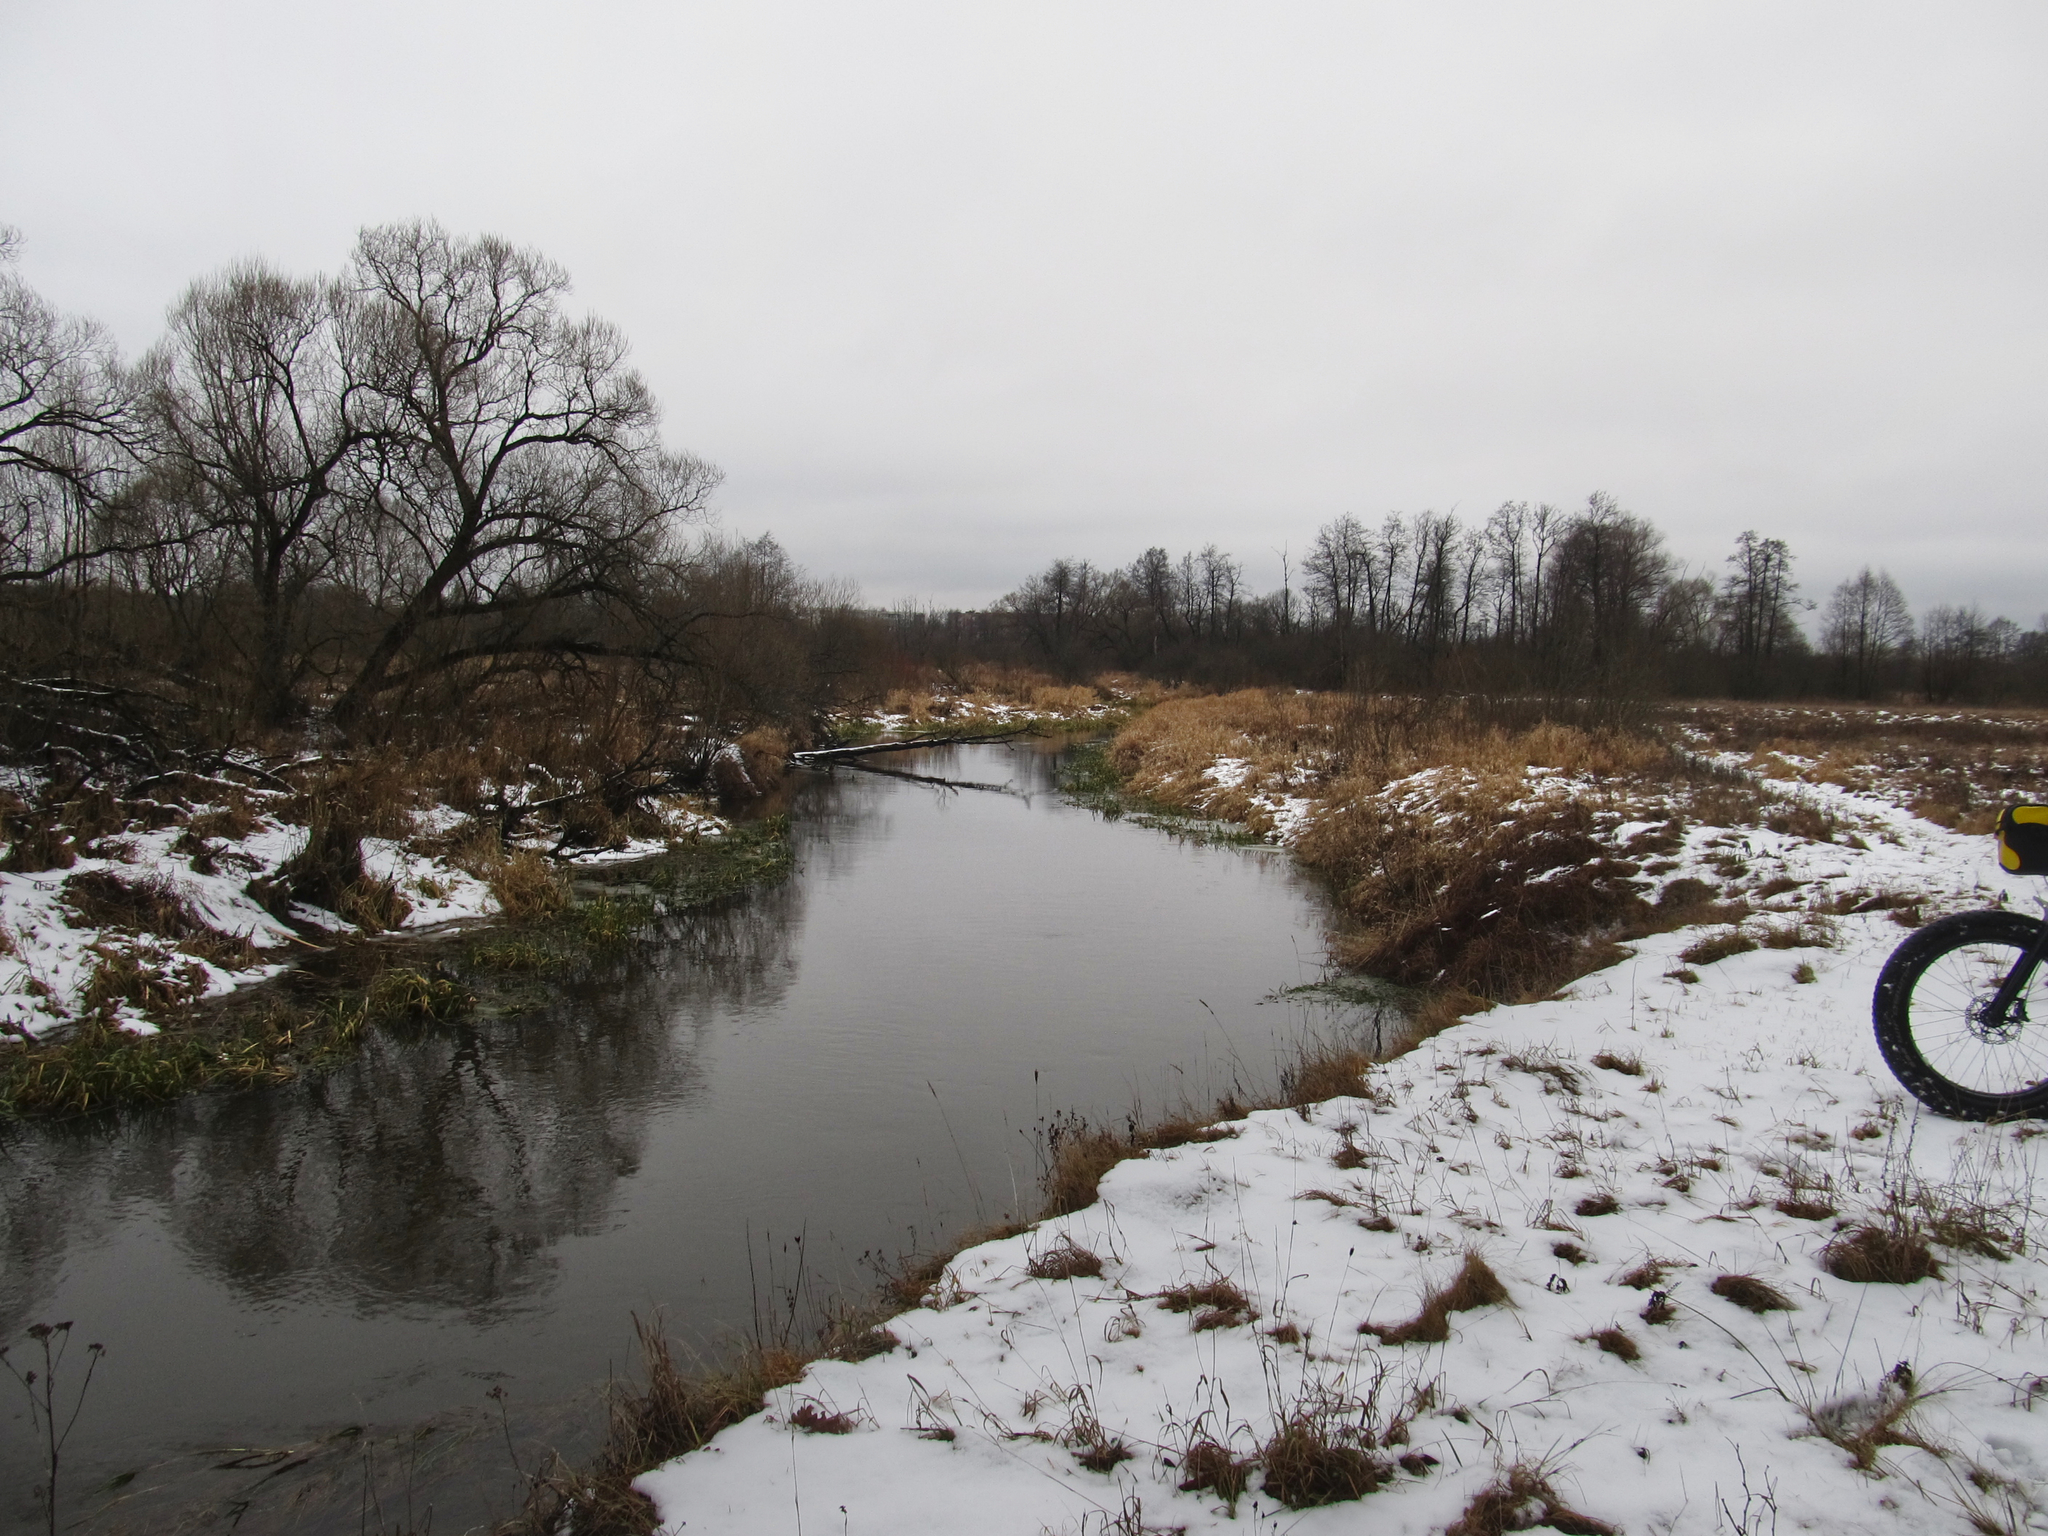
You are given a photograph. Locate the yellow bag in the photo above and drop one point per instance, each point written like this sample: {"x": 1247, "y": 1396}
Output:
{"x": 2023, "y": 840}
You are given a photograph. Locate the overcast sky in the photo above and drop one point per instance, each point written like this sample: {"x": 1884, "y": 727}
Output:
{"x": 948, "y": 290}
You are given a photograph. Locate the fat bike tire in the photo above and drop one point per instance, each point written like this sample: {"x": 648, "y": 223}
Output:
{"x": 1928, "y": 1028}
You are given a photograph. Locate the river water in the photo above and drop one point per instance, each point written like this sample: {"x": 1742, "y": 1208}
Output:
{"x": 308, "y": 1293}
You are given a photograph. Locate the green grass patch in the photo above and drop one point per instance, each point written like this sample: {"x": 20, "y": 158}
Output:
{"x": 1088, "y": 780}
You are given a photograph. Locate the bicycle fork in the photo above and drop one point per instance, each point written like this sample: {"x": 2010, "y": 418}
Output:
{"x": 1997, "y": 1011}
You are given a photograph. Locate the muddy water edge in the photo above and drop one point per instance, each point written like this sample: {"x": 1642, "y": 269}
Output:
{"x": 347, "y": 1302}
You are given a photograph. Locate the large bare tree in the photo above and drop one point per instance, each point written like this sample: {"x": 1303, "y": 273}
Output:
{"x": 522, "y": 481}
{"x": 259, "y": 399}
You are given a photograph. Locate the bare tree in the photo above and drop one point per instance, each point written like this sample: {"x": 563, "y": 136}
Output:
{"x": 1756, "y": 606}
{"x": 1867, "y": 626}
{"x": 521, "y": 476}
{"x": 68, "y": 433}
{"x": 259, "y": 400}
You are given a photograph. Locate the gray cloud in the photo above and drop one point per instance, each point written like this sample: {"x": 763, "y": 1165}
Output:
{"x": 948, "y": 290}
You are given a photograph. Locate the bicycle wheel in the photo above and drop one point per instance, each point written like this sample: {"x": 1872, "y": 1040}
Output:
{"x": 1929, "y": 1008}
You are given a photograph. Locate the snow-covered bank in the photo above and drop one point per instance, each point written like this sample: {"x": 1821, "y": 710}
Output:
{"x": 175, "y": 901}
{"x": 1728, "y": 1125}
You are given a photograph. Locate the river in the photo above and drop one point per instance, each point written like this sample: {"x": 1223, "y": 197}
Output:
{"x": 308, "y": 1293}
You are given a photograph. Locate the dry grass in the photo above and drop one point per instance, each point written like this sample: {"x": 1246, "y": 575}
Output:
{"x": 527, "y": 886}
{"x": 1599, "y": 1203}
{"x": 1866, "y": 1421}
{"x": 1752, "y": 1294}
{"x": 1065, "y": 1260}
{"x": 1214, "y": 1303}
{"x": 1615, "y": 1342}
{"x": 1718, "y": 946}
{"x": 1077, "y": 1153}
{"x": 1475, "y": 1285}
{"x": 670, "y": 1413}
{"x": 1630, "y": 1065}
{"x": 1522, "y": 1498}
{"x": 1880, "y": 1253}
{"x": 1209, "y": 1467}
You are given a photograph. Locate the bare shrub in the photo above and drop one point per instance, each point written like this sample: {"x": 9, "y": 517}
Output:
{"x": 1475, "y": 1285}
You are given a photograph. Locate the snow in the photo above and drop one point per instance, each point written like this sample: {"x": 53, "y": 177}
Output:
{"x": 1754, "y": 1086}
{"x": 49, "y": 963}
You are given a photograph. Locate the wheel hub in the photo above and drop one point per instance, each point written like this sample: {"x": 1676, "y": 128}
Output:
{"x": 1992, "y": 1031}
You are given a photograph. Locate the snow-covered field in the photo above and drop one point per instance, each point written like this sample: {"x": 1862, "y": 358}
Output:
{"x": 1614, "y": 1388}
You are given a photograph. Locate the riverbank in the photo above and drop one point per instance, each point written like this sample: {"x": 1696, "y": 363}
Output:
{"x": 1587, "y": 1260}
{"x": 243, "y": 925}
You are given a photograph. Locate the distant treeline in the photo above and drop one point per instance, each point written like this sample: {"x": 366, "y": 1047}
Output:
{"x": 378, "y": 503}
{"x": 1535, "y": 599}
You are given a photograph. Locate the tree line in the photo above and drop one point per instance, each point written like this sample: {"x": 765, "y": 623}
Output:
{"x": 374, "y": 499}
{"x": 1536, "y": 598}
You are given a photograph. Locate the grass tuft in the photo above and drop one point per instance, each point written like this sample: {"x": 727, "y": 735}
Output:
{"x": 1522, "y": 1499}
{"x": 1065, "y": 1260}
{"x": 1870, "y": 1253}
{"x": 1752, "y": 1294}
{"x": 1475, "y": 1285}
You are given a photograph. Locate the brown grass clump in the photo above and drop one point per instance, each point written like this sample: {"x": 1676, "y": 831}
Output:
{"x": 814, "y": 1418}
{"x": 1894, "y": 1253}
{"x": 1804, "y": 1210}
{"x": 1752, "y": 1294}
{"x": 1570, "y": 1252}
{"x": 1659, "y": 1308}
{"x": 1475, "y": 1285}
{"x": 1615, "y": 1342}
{"x": 1308, "y": 1463}
{"x": 1630, "y": 1065}
{"x": 1065, "y": 1260}
{"x": 1215, "y": 1304}
{"x": 527, "y": 887}
{"x": 1648, "y": 1274}
{"x": 1718, "y": 946}
{"x": 1210, "y": 1467}
{"x": 1600, "y": 1203}
{"x": 1522, "y": 1499}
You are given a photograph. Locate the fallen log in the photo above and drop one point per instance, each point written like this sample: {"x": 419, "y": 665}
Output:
{"x": 818, "y": 755}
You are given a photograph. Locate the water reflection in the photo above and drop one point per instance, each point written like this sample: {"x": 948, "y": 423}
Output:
{"x": 857, "y": 1053}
